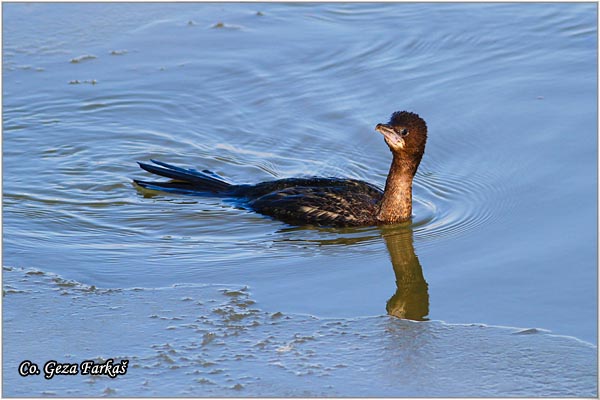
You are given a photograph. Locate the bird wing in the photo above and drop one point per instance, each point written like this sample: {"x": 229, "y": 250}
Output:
{"x": 333, "y": 206}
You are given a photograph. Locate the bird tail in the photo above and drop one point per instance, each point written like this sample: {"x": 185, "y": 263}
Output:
{"x": 185, "y": 181}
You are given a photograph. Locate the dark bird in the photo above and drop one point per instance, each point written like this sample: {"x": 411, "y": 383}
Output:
{"x": 315, "y": 200}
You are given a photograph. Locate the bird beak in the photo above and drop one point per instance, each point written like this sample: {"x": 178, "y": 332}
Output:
{"x": 390, "y": 135}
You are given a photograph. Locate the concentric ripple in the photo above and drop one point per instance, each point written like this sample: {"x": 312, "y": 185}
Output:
{"x": 446, "y": 204}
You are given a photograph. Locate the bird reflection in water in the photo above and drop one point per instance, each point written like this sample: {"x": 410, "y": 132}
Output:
{"x": 411, "y": 300}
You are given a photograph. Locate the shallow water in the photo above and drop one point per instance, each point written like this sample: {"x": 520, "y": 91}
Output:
{"x": 504, "y": 230}
{"x": 213, "y": 340}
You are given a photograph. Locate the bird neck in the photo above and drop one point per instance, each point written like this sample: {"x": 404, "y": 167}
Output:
{"x": 396, "y": 203}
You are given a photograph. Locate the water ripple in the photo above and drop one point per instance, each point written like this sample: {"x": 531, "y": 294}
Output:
{"x": 452, "y": 204}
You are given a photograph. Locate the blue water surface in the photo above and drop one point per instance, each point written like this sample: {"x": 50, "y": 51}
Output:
{"x": 504, "y": 232}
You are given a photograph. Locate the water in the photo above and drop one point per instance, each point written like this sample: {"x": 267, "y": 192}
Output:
{"x": 213, "y": 340}
{"x": 504, "y": 231}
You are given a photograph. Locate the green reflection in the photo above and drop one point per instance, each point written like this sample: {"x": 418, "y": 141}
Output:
{"x": 411, "y": 300}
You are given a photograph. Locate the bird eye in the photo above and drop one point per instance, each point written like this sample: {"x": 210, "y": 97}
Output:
{"x": 404, "y": 132}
